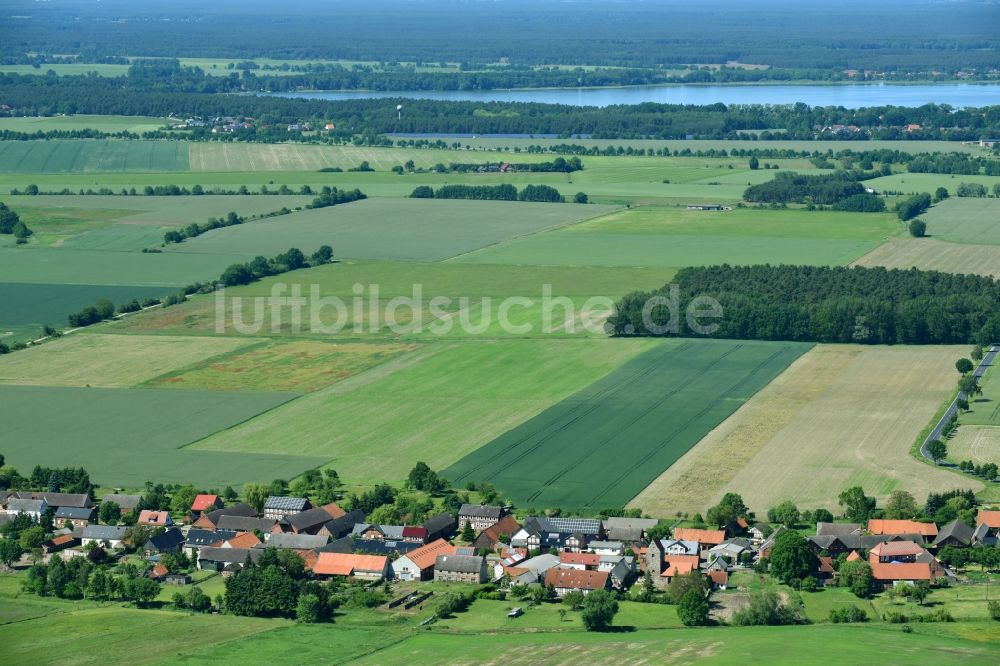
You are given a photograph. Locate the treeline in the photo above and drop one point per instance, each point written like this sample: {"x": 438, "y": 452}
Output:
{"x": 823, "y": 304}
{"x": 260, "y": 267}
{"x": 791, "y": 187}
{"x": 913, "y": 206}
{"x": 505, "y": 192}
{"x": 28, "y": 95}
{"x": 11, "y": 224}
{"x": 558, "y": 165}
{"x": 164, "y": 191}
{"x": 330, "y": 196}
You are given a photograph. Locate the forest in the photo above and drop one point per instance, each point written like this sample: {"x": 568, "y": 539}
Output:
{"x": 823, "y": 304}
{"x": 921, "y": 36}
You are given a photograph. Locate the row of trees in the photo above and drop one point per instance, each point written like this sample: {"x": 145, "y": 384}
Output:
{"x": 260, "y": 267}
{"x": 505, "y": 192}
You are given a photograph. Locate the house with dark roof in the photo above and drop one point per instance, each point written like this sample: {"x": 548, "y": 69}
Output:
{"x": 211, "y": 519}
{"x": 479, "y": 516}
{"x": 543, "y": 533}
{"x": 198, "y": 539}
{"x": 280, "y": 506}
{"x": 289, "y": 541}
{"x": 576, "y": 580}
{"x": 628, "y": 530}
{"x": 338, "y": 527}
{"x": 169, "y": 541}
{"x": 75, "y": 516}
{"x": 33, "y": 508}
{"x": 248, "y": 524}
{"x": 127, "y": 503}
{"x": 460, "y": 568}
{"x": 987, "y": 531}
{"x": 956, "y": 534}
{"x": 390, "y": 547}
{"x": 57, "y": 500}
{"x": 312, "y": 520}
{"x": 218, "y": 559}
{"x": 441, "y": 526}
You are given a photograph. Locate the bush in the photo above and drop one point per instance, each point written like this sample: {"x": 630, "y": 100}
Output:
{"x": 848, "y": 614}
{"x": 918, "y": 228}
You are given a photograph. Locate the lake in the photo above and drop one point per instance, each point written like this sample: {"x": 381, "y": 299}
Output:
{"x": 851, "y": 96}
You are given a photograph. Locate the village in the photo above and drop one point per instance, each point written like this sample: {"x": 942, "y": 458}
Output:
{"x": 488, "y": 545}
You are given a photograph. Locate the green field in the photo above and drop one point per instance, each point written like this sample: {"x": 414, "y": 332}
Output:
{"x": 986, "y": 407}
{"x": 136, "y": 124}
{"x": 967, "y": 220}
{"x": 28, "y": 307}
{"x": 434, "y": 404}
{"x": 127, "y": 436}
{"x": 395, "y": 229}
{"x": 92, "y": 155}
{"x": 604, "y": 444}
{"x": 671, "y": 236}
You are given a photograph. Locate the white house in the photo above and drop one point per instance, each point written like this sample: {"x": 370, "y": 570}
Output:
{"x": 30, "y": 507}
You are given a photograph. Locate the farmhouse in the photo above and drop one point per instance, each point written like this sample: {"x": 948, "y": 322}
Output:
{"x": 441, "y": 526}
{"x": 338, "y": 527}
{"x": 169, "y": 541}
{"x": 570, "y": 533}
{"x": 211, "y": 519}
{"x": 218, "y": 559}
{"x": 154, "y": 518}
{"x": 901, "y": 527}
{"x": 279, "y": 506}
{"x": 366, "y": 567}
{"x": 576, "y": 580}
{"x": 33, "y": 508}
{"x": 76, "y": 516}
{"x": 198, "y": 539}
{"x": 480, "y": 516}
{"x": 581, "y": 561}
{"x": 106, "y": 536}
{"x": 59, "y": 500}
{"x": 460, "y": 568}
{"x": 494, "y": 534}
{"x": 607, "y": 547}
{"x": 419, "y": 564}
{"x": 248, "y": 524}
{"x": 59, "y": 543}
{"x": 987, "y": 528}
{"x": 242, "y": 540}
{"x": 956, "y": 534}
{"x": 628, "y": 530}
{"x": 127, "y": 503}
{"x": 311, "y": 521}
{"x": 203, "y": 504}
{"x": 291, "y": 541}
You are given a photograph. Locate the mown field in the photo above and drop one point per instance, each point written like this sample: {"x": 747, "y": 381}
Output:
{"x": 931, "y": 254}
{"x": 978, "y": 443}
{"x": 967, "y": 220}
{"x": 672, "y": 236}
{"x": 601, "y": 446}
{"x": 394, "y": 229}
{"x": 842, "y": 415}
{"x": 125, "y": 437}
{"x": 136, "y": 124}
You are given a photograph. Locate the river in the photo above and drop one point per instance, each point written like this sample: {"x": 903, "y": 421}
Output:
{"x": 851, "y": 96}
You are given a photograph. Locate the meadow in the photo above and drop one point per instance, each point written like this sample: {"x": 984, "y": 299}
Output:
{"x": 840, "y": 416}
{"x": 125, "y": 437}
{"x": 978, "y": 443}
{"x": 672, "y": 236}
{"x": 601, "y": 446}
{"x": 434, "y": 404}
{"x": 432, "y": 229}
{"x": 135, "y": 124}
{"x": 966, "y": 220}
{"x": 111, "y": 361}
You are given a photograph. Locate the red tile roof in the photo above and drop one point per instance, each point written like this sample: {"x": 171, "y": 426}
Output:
{"x": 853, "y": 556}
{"x": 582, "y": 559}
{"x": 577, "y": 579}
{"x": 713, "y": 537}
{"x": 680, "y": 565}
{"x": 414, "y": 531}
{"x": 334, "y": 510}
{"x": 156, "y": 518}
{"x": 902, "y": 571}
{"x": 507, "y": 525}
{"x": 826, "y": 565}
{"x": 345, "y": 564}
{"x": 989, "y": 518}
{"x": 243, "y": 540}
{"x": 895, "y": 549}
{"x": 202, "y": 502}
{"x": 425, "y": 556}
{"x": 719, "y": 577}
{"x": 901, "y": 527}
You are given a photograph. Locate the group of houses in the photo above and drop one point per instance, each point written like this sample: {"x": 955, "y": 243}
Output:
{"x": 565, "y": 553}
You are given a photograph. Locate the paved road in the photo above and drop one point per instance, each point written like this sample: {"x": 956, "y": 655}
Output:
{"x": 953, "y": 407}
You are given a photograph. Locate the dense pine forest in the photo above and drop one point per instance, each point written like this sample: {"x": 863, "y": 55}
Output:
{"x": 821, "y": 304}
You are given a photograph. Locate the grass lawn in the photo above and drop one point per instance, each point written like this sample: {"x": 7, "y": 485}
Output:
{"x": 126, "y": 436}
{"x": 841, "y": 415}
{"x": 986, "y": 407}
{"x": 111, "y": 361}
{"x": 966, "y": 220}
{"x": 434, "y": 404}
{"x": 603, "y": 445}
{"x": 394, "y": 229}
{"x": 671, "y": 236}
